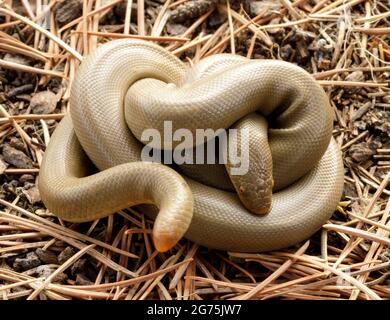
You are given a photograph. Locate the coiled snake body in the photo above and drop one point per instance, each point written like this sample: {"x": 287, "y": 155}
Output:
{"x": 134, "y": 84}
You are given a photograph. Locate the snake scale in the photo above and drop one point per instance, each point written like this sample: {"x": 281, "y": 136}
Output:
{"x": 92, "y": 166}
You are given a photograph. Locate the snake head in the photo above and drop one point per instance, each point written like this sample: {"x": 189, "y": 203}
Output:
{"x": 164, "y": 241}
{"x": 175, "y": 212}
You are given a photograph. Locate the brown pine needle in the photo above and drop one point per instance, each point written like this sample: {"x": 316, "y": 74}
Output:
{"x": 275, "y": 275}
{"x": 57, "y": 230}
{"x": 358, "y": 233}
{"x": 191, "y": 45}
{"x": 20, "y": 67}
{"x": 352, "y": 84}
{"x": 134, "y": 36}
{"x": 373, "y": 31}
{"x": 37, "y": 27}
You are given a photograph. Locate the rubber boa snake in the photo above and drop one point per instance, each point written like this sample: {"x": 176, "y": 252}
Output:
{"x": 127, "y": 86}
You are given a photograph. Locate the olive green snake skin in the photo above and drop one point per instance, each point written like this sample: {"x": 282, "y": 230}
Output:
{"x": 127, "y": 86}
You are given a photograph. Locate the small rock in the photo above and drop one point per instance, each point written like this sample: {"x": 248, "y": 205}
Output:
{"x": 32, "y": 195}
{"x": 383, "y": 124}
{"x": 43, "y": 102}
{"x": 191, "y": 10}
{"x": 79, "y": 266}
{"x": 31, "y": 261}
{"x": 286, "y": 51}
{"x": 46, "y": 271}
{"x": 361, "y": 125}
{"x": 13, "y": 183}
{"x": 16, "y": 157}
{"x": 378, "y": 120}
{"x": 357, "y": 76}
{"x": 175, "y": 29}
{"x": 67, "y": 10}
{"x": 27, "y": 178}
{"x": 363, "y": 151}
{"x": 46, "y": 256}
{"x": 28, "y": 185}
{"x": 65, "y": 254}
{"x": 14, "y": 58}
{"x": 257, "y": 7}
{"x": 385, "y": 256}
{"x": 19, "y": 8}
{"x": 16, "y": 143}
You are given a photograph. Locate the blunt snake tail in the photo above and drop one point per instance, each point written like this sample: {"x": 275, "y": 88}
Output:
{"x": 127, "y": 86}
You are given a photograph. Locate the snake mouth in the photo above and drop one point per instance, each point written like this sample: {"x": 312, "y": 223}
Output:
{"x": 261, "y": 210}
{"x": 164, "y": 241}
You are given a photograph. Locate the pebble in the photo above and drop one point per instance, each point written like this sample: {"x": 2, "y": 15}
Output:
{"x": 175, "y": 29}
{"x": 357, "y": 76}
{"x": 190, "y": 10}
{"x": 46, "y": 271}
{"x": 79, "y": 266}
{"x": 16, "y": 143}
{"x": 17, "y": 158}
{"x": 67, "y": 11}
{"x": 286, "y": 51}
{"x": 31, "y": 261}
{"x": 32, "y": 194}
{"x": 256, "y": 7}
{"x": 27, "y": 178}
{"x": 65, "y": 254}
{"x": 46, "y": 256}
{"x": 43, "y": 102}
{"x": 14, "y": 58}
{"x": 363, "y": 151}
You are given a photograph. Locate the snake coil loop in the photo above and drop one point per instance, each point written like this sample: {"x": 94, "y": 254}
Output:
{"x": 121, "y": 90}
